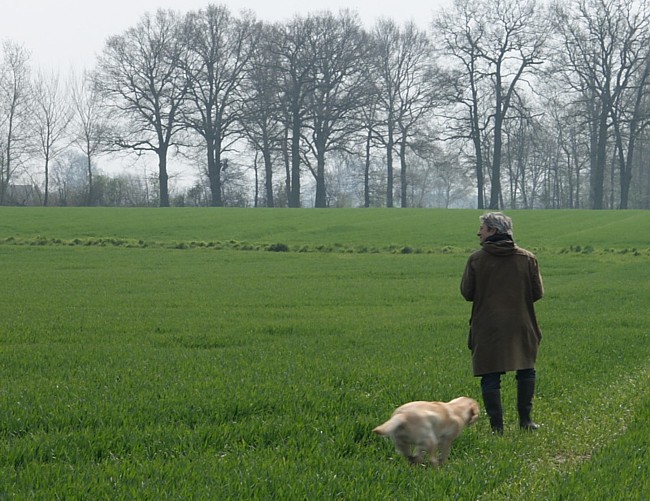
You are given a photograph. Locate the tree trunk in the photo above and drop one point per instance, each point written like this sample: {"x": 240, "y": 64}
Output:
{"x": 319, "y": 175}
{"x": 598, "y": 167}
{"x": 366, "y": 171}
{"x": 5, "y": 177}
{"x": 495, "y": 191}
{"x": 214, "y": 174}
{"x": 163, "y": 178}
{"x": 89, "y": 165}
{"x": 47, "y": 181}
{"x": 321, "y": 190}
{"x": 268, "y": 176}
{"x": 402, "y": 174}
{"x": 478, "y": 152}
{"x": 389, "y": 168}
{"x": 499, "y": 113}
{"x": 294, "y": 194}
{"x": 287, "y": 165}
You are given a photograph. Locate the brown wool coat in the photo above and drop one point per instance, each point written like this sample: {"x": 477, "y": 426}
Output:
{"x": 502, "y": 281}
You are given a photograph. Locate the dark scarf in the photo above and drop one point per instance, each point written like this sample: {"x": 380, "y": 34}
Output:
{"x": 499, "y": 237}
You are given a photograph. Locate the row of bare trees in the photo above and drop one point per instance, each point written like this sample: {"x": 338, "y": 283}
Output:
{"x": 525, "y": 104}
{"x": 294, "y": 93}
{"x": 41, "y": 118}
{"x": 556, "y": 94}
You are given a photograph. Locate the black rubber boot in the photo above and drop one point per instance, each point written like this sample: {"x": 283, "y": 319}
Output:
{"x": 525, "y": 393}
{"x": 492, "y": 402}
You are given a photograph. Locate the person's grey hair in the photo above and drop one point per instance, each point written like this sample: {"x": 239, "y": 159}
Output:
{"x": 498, "y": 221}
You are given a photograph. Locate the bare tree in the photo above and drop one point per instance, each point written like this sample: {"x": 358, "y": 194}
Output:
{"x": 371, "y": 121}
{"x": 604, "y": 62}
{"x": 630, "y": 117}
{"x": 514, "y": 46}
{"x": 219, "y": 49}
{"x": 340, "y": 52}
{"x": 566, "y": 122}
{"x": 386, "y": 38}
{"x": 262, "y": 118}
{"x": 296, "y": 65}
{"x": 15, "y": 88}
{"x": 89, "y": 124}
{"x": 460, "y": 34}
{"x": 417, "y": 99}
{"x": 140, "y": 76}
{"x": 52, "y": 115}
{"x": 402, "y": 65}
{"x": 431, "y": 179}
{"x": 496, "y": 45}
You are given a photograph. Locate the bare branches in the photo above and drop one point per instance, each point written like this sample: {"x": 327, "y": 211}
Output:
{"x": 493, "y": 46}
{"x": 606, "y": 51}
{"x": 15, "y": 117}
{"x": 405, "y": 93}
{"x": 219, "y": 48}
{"x": 52, "y": 117}
{"x": 140, "y": 76}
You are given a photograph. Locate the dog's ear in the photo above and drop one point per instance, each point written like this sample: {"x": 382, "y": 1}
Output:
{"x": 475, "y": 412}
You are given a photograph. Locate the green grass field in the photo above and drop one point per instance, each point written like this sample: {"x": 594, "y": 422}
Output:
{"x": 167, "y": 354}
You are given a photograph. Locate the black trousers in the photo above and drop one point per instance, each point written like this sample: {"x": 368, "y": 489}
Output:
{"x": 492, "y": 381}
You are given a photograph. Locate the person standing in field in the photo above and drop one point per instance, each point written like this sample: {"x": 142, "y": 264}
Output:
{"x": 503, "y": 281}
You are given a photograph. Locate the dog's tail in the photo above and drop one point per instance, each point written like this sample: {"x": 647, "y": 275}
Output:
{"x": 390, "y": 426}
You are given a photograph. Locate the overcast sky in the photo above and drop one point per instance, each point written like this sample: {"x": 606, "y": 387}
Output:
{"x": 69, "y": 34}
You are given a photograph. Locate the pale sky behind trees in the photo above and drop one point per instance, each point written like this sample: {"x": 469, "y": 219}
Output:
{"x": 69, "y": 34}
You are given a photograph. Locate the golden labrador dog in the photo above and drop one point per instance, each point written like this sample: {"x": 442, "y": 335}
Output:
{"x": 417, "y": 428}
